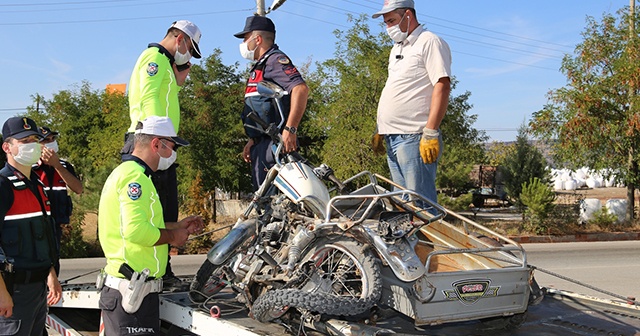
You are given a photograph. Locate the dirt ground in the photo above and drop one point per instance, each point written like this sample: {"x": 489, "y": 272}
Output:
{"x": 602, "y": 194}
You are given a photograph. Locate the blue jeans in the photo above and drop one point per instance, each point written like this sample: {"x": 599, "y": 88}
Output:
{"x": 407, "y": 168}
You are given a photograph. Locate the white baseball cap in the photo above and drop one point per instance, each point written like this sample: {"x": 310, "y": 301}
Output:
{"x": 391, "y": 5}
{"x": 192, "y": 31}
{"x": 160, "y": 126}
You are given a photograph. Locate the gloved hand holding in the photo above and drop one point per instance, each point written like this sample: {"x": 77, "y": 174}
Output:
{"x": 377, "y": 143}
{"x": 429, "y": 145}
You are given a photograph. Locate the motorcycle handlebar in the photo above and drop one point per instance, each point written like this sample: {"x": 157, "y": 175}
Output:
{"x": 269, "y": 129}
{"x": 254, "y": 116}
{"x": 335, "y": 181}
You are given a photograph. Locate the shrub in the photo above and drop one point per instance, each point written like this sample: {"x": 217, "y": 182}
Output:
{"x": 522, "y": 164}
{"x": 604, "y": 219}
{"x": 71, "y": 244}
{"x": 538, "y": 198}
{"x": 197, "y": 203}
{"x": 459, "y": 203}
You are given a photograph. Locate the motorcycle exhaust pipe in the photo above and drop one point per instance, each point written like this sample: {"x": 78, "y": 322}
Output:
{"x": 228, "y": 245}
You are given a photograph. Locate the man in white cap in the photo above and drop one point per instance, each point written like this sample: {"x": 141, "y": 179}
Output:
{"x": 153, "y": 91}
{"x": 133, "y": 234}
{"x": 414, "y": 99}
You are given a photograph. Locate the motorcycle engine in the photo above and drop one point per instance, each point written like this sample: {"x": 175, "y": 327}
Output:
{"x": 271, "y": 234}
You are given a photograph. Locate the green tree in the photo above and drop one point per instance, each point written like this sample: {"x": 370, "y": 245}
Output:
{"x": 92, "y": 124}
{"x": 463, "y": 144}
{"x": 211, "y": 102}
{"x": 497, "y": 152}
{"x": 594, "y": 120}
{"x": 344, "y": 99}
{"x": 526, "y": 162}
{"x": 343, "y": 105}
{"x": 538, "y": 198}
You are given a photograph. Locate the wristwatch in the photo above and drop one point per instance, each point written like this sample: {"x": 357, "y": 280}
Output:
{"x": 291, "y": 129}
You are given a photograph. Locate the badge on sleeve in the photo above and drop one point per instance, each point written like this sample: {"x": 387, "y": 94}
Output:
{"x": 152, "y": 69}
{"x": 284, "y": 60}
{"x": 134, "y": 191}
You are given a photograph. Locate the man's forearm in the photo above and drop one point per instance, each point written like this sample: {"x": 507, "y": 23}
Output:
{"x": 166, "y": 237}
{"x": 72, "y": 182}
{"x": 439, "y": 103}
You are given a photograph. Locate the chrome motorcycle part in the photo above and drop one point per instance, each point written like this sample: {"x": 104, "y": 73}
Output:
{"x": 400, "y": 255}
{"x": 228, "y": 245}
{"x": 207, "y": 282}
{"x": 299, "y": 241}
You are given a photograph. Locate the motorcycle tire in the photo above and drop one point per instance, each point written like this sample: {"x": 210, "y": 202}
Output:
{"x": 206, "y": 283}
{"x": 346, "y": 281}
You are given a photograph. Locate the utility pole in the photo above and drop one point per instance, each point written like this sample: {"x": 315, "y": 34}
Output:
{"x": 260, "y": 8}
{"x": 632, "y": 163}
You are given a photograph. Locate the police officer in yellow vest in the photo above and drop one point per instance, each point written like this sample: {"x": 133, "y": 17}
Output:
{"x": 27, "y": 243}
{"x": 133, "y": 234}
{"x": 157, "y": 76}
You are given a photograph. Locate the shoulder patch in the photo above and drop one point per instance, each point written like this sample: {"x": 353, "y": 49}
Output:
{"x": 152, "y": 69}
{"x": 283, "y": 60}
{"x": 134, "y": 191}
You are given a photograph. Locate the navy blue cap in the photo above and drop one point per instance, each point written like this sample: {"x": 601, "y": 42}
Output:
{"x": 46, "y": 131}
{"x": 20, "y": 128}
{"x": 257, "y": 22}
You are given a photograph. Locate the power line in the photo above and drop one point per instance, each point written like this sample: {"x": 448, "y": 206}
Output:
{"x": 480, "y": 28}
{"x": 501, "y": 60}
{"x": 311, "y": 18}
{"x": 83, "y": 8}
{"x": 336, "y": 9}
{"x": 13, "y": 109}
{"x": 62, "y": 3}
{"x": 122, "y": 19}
{"x": 482, "y": 44}
{"x": 459, "y": 52}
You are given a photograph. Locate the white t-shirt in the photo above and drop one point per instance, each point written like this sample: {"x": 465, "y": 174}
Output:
{"x": 415, "y": 66}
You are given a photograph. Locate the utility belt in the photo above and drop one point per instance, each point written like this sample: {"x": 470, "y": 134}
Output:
{"x": 26, "y": 277}
{"x": 133, "y": 289}
{"x": 155, "y": 286}
{"x": 22, "y": 277}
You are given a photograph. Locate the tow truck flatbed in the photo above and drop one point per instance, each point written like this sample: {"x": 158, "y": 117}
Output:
{"x": 559, "y": 313}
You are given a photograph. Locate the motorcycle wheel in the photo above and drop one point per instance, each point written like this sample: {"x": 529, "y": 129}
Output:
{"x": 345, "y": 281}
{"x": 206, "y": 283}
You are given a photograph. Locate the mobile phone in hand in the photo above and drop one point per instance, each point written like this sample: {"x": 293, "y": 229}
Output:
{"x": 183, "y": 67}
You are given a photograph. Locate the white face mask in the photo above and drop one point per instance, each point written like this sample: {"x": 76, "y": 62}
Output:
{"x": 245, "y": 52}
{"x": 165, "y": 163}
{"x": 28, "y": 153}
{"x": 181, "y": 58}
{"x": 396, "y": 34}
{"x": 52, "y": 146}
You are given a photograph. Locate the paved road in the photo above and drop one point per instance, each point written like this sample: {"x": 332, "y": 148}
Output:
{"x": 612, "y": 266}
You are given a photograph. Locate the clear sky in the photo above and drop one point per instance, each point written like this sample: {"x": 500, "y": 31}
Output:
{"x": 506, "y": 53}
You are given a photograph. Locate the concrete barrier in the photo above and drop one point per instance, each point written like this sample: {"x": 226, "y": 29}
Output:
{"x": 231, "y": 208}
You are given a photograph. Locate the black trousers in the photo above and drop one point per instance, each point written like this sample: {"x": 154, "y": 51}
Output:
{"x": 29, "y": 310}
{"x": 145, "y": 321}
